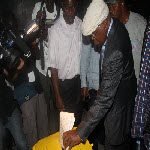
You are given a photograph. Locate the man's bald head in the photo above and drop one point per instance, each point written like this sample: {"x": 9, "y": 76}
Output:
{"x": 69, "y": 2}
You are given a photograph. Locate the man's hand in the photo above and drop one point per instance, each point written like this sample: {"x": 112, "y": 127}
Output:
{"x": 5, "y": 72}
{"x": 21, "y": 64}
{"x": 39, "y": 15}
{"x": 43, "y": 27}
{"x": 59, "y": 104}
{"x": 71, "y": 138}
{"x": 85, "y": 93}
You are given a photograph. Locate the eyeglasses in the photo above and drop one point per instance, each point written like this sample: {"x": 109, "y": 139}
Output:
{"x": 95, "y": 32}
{"x": 93, "y": 36}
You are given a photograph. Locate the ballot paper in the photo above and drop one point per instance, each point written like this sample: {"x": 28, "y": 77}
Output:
{"x": 66, "y": 123}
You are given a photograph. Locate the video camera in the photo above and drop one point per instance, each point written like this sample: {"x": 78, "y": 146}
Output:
{"x": 10, "y": 47}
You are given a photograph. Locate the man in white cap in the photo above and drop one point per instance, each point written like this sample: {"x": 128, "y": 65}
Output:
{"x": 115, "y": 102}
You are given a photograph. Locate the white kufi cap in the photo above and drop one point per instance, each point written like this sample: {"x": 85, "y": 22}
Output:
{"x": 96, "y": 13}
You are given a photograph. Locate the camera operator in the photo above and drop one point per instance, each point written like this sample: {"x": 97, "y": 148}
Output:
{"x": 27, "y": 90}
{"x": 50, "y": 10}
{"x": 10, "y": 116}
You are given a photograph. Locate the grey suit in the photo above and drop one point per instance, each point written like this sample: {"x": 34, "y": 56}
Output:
{"x": 117, "y": 90}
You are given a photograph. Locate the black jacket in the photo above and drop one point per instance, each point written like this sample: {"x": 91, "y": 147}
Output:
{"x": 117, "y": 89}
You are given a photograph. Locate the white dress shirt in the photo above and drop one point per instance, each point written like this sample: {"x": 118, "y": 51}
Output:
{"x": 64, "y": 48}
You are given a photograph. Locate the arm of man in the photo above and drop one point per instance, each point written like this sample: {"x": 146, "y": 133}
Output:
{"x": 36, "y": 9}
{"x": 53, "y": 63}
{"x": 59, "y": 102}
{"x": 84, "y": 64}
{"x": 36, "y": 15}
{"x": 112, "y": 74}
{"x": 20, "y": 66}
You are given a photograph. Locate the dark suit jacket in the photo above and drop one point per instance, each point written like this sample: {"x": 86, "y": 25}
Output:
{"x": 117, "y": 89}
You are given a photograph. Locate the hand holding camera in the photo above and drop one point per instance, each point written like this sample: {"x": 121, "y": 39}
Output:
{"x": 41, "y": 17}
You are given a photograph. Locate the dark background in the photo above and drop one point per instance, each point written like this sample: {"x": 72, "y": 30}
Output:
{"x": 23, "y": 8}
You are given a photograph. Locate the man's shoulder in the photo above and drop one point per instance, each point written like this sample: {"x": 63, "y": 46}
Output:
{"x": 118, "y": 36}
{"x": 118, "y": 26}
{"x": 137, "y": 18}
{"x": 78, "y": 19}
{"x": 56, "y": 25}
{"x": 37, "y": 5}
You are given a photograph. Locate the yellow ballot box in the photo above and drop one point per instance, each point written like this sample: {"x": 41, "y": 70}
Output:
{"x": 52, "y": 143}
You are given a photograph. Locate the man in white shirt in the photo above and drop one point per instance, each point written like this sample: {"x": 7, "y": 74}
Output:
{"x": 64, "y": 49}
{"x": 52, "y": 13}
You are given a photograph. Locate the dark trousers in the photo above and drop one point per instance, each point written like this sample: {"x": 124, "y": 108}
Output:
{"x": 53, "y": 114}
{"x": 98, "y": 134}
{"x": 140, "y": 144}
{"x": 124, "y": 146}
{"x": 14, "y": 125}
{"x": 70, "y": 92}
{"x": 35, "y": 121}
